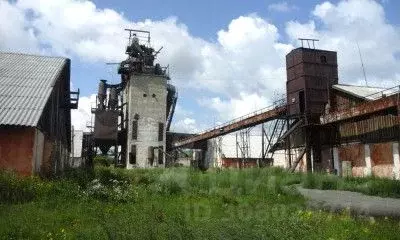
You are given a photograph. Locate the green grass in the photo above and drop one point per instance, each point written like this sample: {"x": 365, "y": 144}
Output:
{"x": 176, "y": 203}
{"x": 368, "y": 185}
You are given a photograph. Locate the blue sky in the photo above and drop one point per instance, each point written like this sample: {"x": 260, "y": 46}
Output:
{"x": 226, "y": 57}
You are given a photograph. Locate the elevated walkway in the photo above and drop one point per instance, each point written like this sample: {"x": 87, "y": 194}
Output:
{"x": 249, "y": 120}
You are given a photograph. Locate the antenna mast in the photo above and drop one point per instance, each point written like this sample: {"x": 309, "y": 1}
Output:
{"x": 362, "y": 65}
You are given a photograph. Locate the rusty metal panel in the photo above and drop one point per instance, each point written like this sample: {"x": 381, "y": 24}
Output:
{"x": 341, "y": 101}
{"x": 296, "y": 85}
{"x": 362, "y": 109}
{"x": 289, "y": 61}
{"x": 312, "y": 71}
{"x": 353, "y": 153}
{"x": 379, "y": 128}
{"x": 381, "y": 153}
{"x": 106, "y": 125}
{"x": 382, "y": 159}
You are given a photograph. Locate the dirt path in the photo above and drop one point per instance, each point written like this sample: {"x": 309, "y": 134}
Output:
{"x": 357, "y": 203}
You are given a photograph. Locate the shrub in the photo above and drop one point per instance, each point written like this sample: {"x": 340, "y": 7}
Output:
{"x": 309, "y": 181}
{"x": 383, "y": 188}
{"x": 106, "y": 175}
{"x": 115, "y": 191}
{"x": 329, "y": 183}
{"x": 79, "y": 175}
{"x": 102, "y": 160}
{"x": 16, "y": 189}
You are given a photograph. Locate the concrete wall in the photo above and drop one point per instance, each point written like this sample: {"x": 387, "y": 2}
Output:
{"x": 16, "y": 149}
{"x": 227, "y": 145}
{"x": 77, "y": 146}
{"x": 38, "y": 150}
{"x": 151, "y": 110}
{"x": 227, "y": 148}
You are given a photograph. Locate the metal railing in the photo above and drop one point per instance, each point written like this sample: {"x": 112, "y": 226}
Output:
{"x": 275, "y": 105}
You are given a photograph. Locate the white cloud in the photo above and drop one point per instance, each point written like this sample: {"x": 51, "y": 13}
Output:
{"x": 15, "y": 34}
{"x": 243, "y": 67}
{"x": 183, "y": 121}
{"x": 247, "y": 58}
{"x": 344, "y": 24}
{"x": 185, "y": 125}
{"x": 248, "y": 51}
{"x": 281, "y": 7}
{"x": 236, "y": 107}
{"x": 82, "y": 116}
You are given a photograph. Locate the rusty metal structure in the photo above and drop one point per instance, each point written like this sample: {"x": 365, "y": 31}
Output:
{"x": 320, "y": 117}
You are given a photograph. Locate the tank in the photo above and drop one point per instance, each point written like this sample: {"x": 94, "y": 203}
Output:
{"x": 113, "y": 99}
{"x": 102, "y": 94}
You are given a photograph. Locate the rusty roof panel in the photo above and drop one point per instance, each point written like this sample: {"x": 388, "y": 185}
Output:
{"x": 26, "y": 82}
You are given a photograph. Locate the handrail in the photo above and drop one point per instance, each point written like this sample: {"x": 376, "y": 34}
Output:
{"x": 276, "y": 104}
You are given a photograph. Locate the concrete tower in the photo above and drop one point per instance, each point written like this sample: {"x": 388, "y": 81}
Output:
{"x": 147, "y": 104}
{"x": 146, "y": 96}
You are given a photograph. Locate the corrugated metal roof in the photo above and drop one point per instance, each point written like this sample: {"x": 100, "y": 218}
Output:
{"x": 358, "y": 91}
{"x": 26, "y": 82}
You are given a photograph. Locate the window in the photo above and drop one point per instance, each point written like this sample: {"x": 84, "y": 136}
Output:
{"x": 160, "y": 131}
{"x": 323, "y": 59}
{"x": 132, "y": 155}
{"x": 160, "y": 155}
{"x": 150, "y": 155}
{"x": 134, "y": 130}
{"x": 302, "y": 101}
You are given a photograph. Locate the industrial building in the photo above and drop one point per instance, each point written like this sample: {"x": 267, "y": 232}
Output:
{"x": 133, "y": 116}
{"x": 320, "y": 125}
{"x": 35, "y": 113}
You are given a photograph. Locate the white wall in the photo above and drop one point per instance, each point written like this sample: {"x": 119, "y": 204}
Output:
{"x": 78, "y": 136}
{"x": 228, "y": 149}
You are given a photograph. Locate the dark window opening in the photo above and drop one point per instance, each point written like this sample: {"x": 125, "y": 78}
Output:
{"x": 323, "y": 59}
{"x": 144, "y": 95}
{"x": 150, "y": 155}
{"x": 134, "y": 130}
{"x": 154, "y": 95}
{"x": 160, "y": 131}
{"x": 160, "y": 155}
{"x": 132, "y": 155}
{"x": 302, "y": 102}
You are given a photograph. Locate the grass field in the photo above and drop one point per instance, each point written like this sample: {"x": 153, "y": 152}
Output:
{"x": 176, "y": 203}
